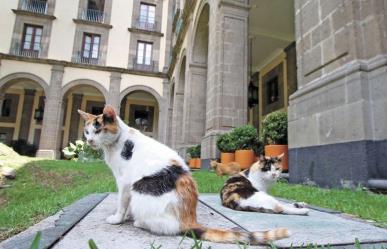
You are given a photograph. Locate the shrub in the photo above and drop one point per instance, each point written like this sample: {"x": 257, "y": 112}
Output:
{"x": 226, "y": 143}
{"x": 194, "y": 151}
{"x": 275, "y": 128}
{"x": 24, "y": 148}
{"x": 244, "y": 137}
{"x": 82, "y": 152}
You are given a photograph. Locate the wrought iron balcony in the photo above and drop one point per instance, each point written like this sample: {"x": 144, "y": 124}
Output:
{"x": 93, "y": 15}
{"x": 20, "y": 51}
{"x": 145, "y": 25}
{"x": 144, "y": 67}
{"x": 79, "y": 58}
{"x": 36, "y": 6}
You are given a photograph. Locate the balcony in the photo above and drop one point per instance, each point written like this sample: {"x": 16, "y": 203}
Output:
{"x": 145, "y": 25}
{"x": 79, "y": 58}
{"x": 19, "y": 51}
{"x": 92, "y": 15}
{"x": 144, "y": 67}
{"x": 35, "y": 6}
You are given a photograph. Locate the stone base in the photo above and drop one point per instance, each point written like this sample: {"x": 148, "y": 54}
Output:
{"x": 338, "y": 165}
{"x": 209, "y": 150}
{"x": 49, "y": 154}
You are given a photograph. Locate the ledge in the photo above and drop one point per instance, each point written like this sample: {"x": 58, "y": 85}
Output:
{"x": 97, "y": 24}
{"x": 84, "y": 66}
{"x": 29, "y": 13}
{"x": 147, "y": 32}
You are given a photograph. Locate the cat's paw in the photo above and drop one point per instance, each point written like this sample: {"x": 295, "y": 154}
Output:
{"x": 303, "y": 211}
{"x": 300, "y": 204}
{"x": 114, "y": 219}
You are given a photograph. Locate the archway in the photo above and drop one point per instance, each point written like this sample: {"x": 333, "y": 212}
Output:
{"x": 22, "y": 98}
{"x": 140, "y": 110}
{"x": 84, "y": 96}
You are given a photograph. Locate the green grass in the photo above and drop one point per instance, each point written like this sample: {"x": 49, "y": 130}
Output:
{"x": 42, "y": 188}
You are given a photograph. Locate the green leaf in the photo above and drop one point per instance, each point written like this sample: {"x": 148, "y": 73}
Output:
{"x": 92, "y": 244}
{"x": 36, "y": 242}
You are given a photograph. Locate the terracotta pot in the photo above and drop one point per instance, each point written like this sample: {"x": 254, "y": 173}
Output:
{"x": 227, "y": 157}
{"x": 192, "y": 163}
{"x": 276, "y": 150}
{"x": 245, "y": 158}
{"x": 198, "y": 163}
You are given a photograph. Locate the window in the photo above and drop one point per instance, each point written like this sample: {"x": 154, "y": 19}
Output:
{"x": 96, "y": 110}
{"x": 95, "y": 5}
{"x": 90, "y": 46}
{"x": 141, "y": 117}
{"x": 6, "y": 109}
{"x": 144, "y": 53}
{"x": 147, "y": 14}
{"x": 32, "y": 37}
{"x": 272, "y": 90}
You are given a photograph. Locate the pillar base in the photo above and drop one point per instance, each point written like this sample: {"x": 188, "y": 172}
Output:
{"x": 49, "y": 154}
{"x": 209, "y": 150}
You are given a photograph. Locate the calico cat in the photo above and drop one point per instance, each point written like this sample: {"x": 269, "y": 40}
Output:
{"x": 154, "y": 184}
{"x": 231, "y": 168}
{"x": 247, "y": 190}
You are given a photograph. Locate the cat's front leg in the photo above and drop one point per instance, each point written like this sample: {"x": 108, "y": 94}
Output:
{"x": 123, "y": 200}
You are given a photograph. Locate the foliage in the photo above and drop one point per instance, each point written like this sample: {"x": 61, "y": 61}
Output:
{"x": 245, "y": 137}
{"x": 226, "y": 143}
{"x": 194, "y": 152}
{"x": 257, "y": 146}
{"x": 81, "y": 151}
{"x": 275, "y": 128}
{"x": 24, "y": 148}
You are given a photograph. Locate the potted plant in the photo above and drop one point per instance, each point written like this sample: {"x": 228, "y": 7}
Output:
{"x": 194, "y": 153}
{"x": 226, "y": 146}
{"x": 274, "y": 135}
{"x": 245, "y": 138}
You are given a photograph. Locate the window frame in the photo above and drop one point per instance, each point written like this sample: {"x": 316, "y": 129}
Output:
{"x": 146, "y": 20}
{"x": 33, "y": 37}
{"x": 144, "y": 53}
{"x": 90, "y": 53}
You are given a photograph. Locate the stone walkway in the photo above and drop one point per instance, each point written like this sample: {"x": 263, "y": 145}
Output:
{"x": 85, "y": 219}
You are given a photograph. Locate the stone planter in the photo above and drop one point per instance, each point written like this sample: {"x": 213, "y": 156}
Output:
{"x": 227, "y": 157}
{"x": 276, "y": 150}
{"x": 245, "y": 158}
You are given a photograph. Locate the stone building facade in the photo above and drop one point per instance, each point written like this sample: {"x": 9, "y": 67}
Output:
{"x": 331, "y": 69}
{"x": 60, "y": 56}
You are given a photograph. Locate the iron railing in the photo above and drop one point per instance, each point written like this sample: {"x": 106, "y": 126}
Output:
{"x": 93, "y": 15}
{"x": 79, "y": 58}
{"x": 36, "y": 6}
{"x": 145, "y": 24}
{"x": 20, "y": 51}
{"x": 144, "y": 67}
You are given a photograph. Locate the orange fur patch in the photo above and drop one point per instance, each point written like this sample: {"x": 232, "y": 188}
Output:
{"x": 174, "y": 162}
{"x": 187, "y": 191}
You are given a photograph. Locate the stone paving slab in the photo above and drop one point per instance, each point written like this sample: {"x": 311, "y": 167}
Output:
{"x": 318, "y": 227}
{"x": 127, "y": 236}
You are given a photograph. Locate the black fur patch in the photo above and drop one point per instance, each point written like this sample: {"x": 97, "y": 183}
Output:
{"x": 247, "y": 172}
{"x": 159, "y": 183}
{"x": 127, "y": 151}
{"x": 268, "y": 163}
{"x": 107, "y": 119}
{"x": 244, "y": 187}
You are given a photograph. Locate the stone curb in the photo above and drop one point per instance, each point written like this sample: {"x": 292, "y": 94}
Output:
{"x": 70, "y": 216}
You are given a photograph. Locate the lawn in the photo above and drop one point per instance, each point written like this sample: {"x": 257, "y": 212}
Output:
{"x": 43, "y": 187}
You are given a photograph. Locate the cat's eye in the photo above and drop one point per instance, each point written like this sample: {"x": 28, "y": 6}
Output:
{"x": 86, "y": 132}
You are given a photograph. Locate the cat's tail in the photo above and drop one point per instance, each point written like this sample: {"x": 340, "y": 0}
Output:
{"x": 229, "y": 236}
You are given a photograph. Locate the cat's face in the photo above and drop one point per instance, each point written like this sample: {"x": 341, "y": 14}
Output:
{"x": 213, "y": 164}
{"x": 100, "y": 130}
{"x": 270, "y": 168}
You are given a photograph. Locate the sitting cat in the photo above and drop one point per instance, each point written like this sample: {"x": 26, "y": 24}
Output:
{"x": 154, "y": 184}
{"x": 247, "y": 190}
{"x": 230, "y": 168}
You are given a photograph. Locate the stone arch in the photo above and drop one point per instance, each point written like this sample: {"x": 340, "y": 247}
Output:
{"x": 87, "y": 82}
{"x": 200, "y": 37}
{"x": 9, "y": 79}
{"x": 147, "y": 89}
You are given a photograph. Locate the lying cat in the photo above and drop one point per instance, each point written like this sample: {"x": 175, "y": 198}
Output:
{"x": 154, "y": 183}
{"x": 247, "y": 190}
{"x": 231, "y": 168}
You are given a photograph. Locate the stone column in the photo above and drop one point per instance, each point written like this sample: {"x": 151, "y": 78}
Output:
{"x": 53, "y": 116}
{"x": 163, "y": 113}
{"x": 27, "y": 110}
{"x": 227, "y": 76}
{"x": 74, "y": 117}
{"x": 337, "y": 117}
{"x": 114, "y": 91}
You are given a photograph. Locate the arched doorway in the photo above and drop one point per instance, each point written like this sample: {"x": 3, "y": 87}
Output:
{"x": 22, "y": 98}
{"x": 140, "y": 110}
{"x": 83, "y": 95}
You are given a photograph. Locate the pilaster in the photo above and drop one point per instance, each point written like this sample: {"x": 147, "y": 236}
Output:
{"x": 28, "y": 104}
{"x": 114, "y": 90}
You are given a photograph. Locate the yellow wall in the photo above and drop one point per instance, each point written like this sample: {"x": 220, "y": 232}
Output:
{"x": 41, "y": 70}
{"x": 7, "y": 20}
{"x": 72, "y": 74}
{"x": 152, "y": 82}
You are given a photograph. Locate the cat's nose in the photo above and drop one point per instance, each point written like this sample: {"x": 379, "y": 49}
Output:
{"x": 90, "y": 141}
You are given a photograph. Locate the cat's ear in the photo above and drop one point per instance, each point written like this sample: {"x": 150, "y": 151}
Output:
{"x": 280, "y": 157}
{"x": 85, "y": 115}
{"x": 109, "y": 114}
{"x": 261, "y": 158}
